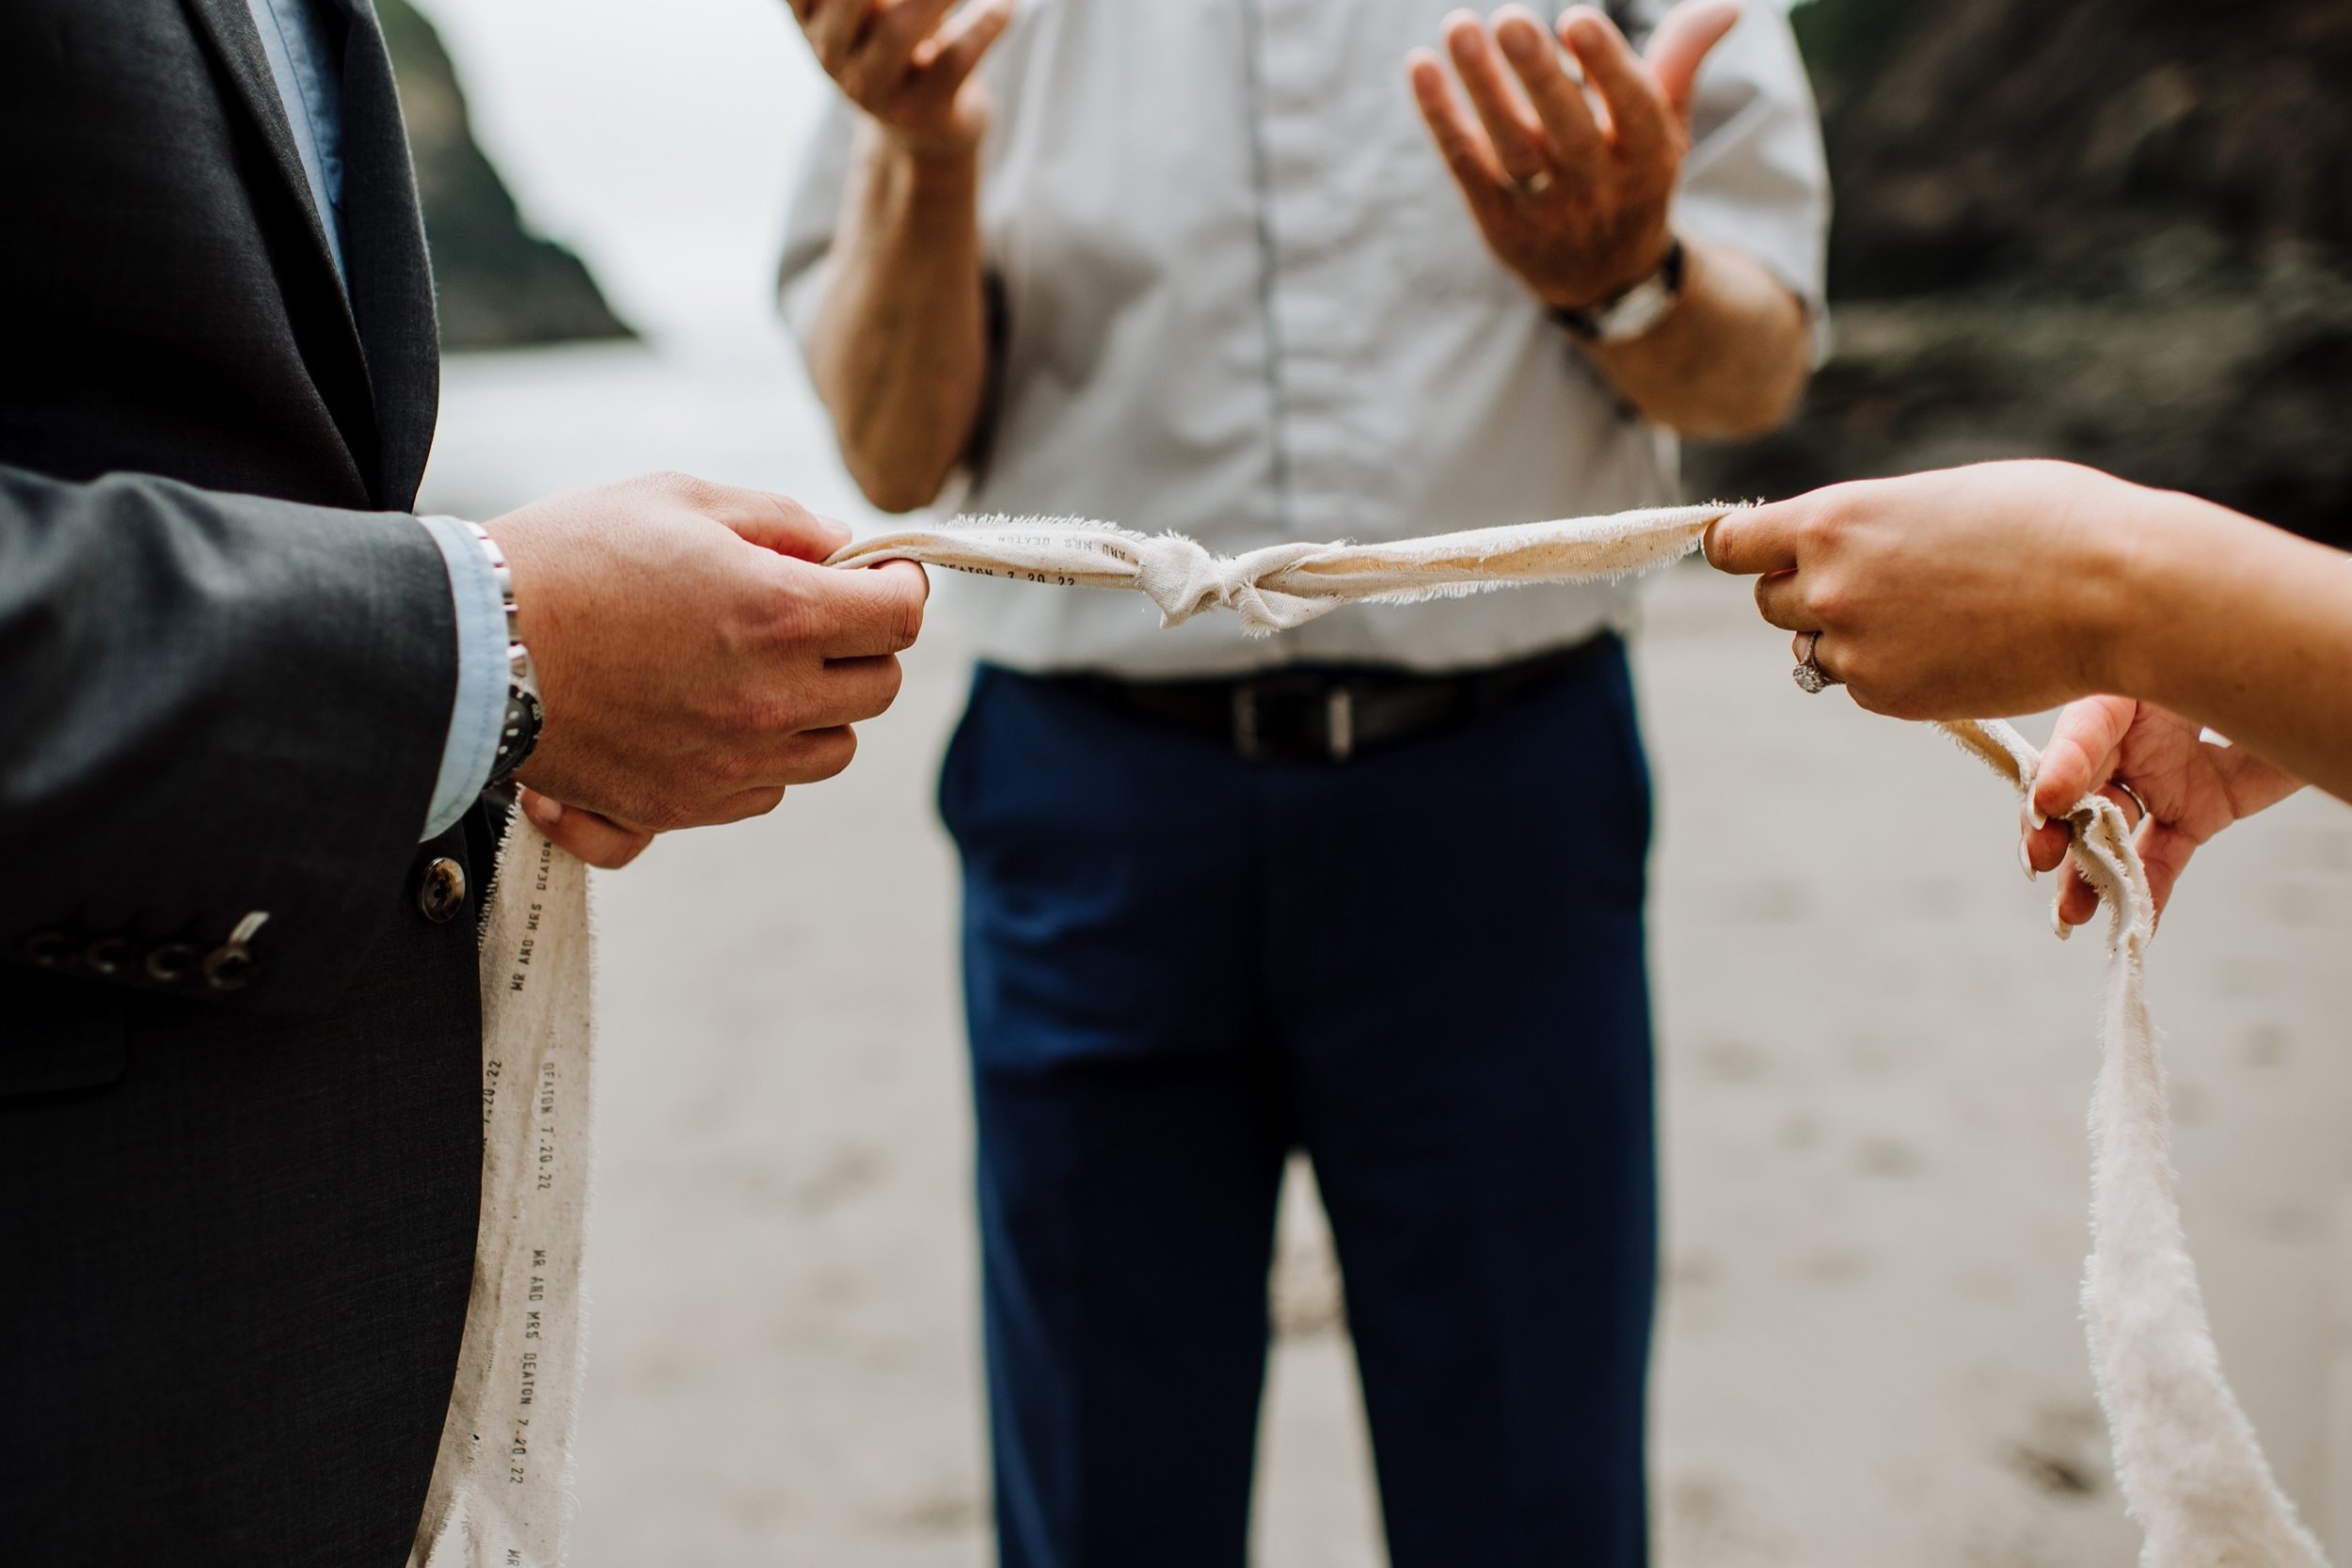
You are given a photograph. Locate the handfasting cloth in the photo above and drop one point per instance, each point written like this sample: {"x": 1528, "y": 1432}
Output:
{"x": 2190, "y": 1467}
{"x": 500, "y": 1493}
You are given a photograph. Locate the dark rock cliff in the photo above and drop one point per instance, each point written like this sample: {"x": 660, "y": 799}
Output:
{"x": 2113, "y": 230}
{"x": 500, "y": 285}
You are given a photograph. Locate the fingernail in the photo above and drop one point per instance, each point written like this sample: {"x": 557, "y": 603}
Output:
{"x": 2033, "y": 815}
{"x": 2026, "y": 861}
{"x": 542, "y": 810}
{"x": 2059, "y": 928}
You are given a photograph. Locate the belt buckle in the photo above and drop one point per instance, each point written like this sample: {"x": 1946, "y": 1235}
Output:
{"x": 1338, "y": 722}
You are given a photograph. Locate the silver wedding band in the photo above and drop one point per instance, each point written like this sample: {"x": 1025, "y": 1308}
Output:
{"x": 2127, "y": 789}
{"x": 1534, "y": 184}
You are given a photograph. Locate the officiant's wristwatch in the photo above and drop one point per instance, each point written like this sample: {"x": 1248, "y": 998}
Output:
{"x": 1626, "y": 315}
{"x": 519, "y": 731}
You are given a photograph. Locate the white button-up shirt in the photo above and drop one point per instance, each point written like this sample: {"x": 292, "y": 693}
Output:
{"x": 1242, "y": 300}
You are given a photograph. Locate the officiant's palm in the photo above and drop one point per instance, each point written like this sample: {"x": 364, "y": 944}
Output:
{"x": 2193, "y": 787}
{"x": 909, "y": 64}
{"x": 1570, "y": 155}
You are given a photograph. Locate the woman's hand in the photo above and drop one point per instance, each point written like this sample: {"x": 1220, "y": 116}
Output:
{"x": 2192, "y": 787}
{"x": 1966, "y": 594}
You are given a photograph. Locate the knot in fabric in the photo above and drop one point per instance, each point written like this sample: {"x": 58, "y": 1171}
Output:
{"x": 1280, "y": 586}
{"x": 1182, "y": 578}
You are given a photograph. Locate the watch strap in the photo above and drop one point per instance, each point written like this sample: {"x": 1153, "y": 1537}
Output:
{"x": 519, "y": 727}
{"x": 1631, "y": 311}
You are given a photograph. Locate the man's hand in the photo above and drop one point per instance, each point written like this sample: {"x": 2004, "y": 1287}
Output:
{"x": 909, "y": 65}
{"x": 597, "y": 840}
{"x": 693, "y": 659}
{"x": 900, "y": 348}
{"x": 2193, "y": 787}
{"x": 1571, "y": 196}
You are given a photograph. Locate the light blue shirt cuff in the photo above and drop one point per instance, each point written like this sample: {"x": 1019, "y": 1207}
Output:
{"x": 480, "y": 712}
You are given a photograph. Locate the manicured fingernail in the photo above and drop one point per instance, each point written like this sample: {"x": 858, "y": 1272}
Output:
{"x": 2059, "y": 928}
{"x": 545, "y": 811}
{"x": 2033, "y": 815}
{"x": 2026, "y": 861}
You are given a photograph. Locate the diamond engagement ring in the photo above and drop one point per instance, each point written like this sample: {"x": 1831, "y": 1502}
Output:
{"x": 1810, "y": 678}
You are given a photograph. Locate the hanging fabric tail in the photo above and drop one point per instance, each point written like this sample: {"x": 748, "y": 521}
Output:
{"x": 501, "y": 1494}
{"x": 2190, "y": 1467}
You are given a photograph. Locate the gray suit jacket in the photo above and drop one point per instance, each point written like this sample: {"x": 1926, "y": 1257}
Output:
{"x": 237, "y": 1184}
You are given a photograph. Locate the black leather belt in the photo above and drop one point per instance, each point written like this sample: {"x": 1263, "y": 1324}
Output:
{"x": 1328, "y": 713}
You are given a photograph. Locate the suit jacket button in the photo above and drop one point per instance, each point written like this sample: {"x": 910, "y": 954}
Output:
{"x": 47, "y": 949}
{"x": 171, "y": 962}
{"x": 442, "y": 891}
{"x": 110, "y": 955}
{"x": 230, "y": 966}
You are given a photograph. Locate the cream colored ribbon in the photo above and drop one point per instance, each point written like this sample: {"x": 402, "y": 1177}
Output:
{"x": 2191, "y": 1469}
{"x": 500, "y": 1493}
{"x": 1283, "y": 586}
{"x": 2189, "y": 1465}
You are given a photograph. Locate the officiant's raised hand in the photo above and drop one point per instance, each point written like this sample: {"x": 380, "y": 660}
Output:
{"x": 1568, "y": 159}
{"x": 694, "y": 660}
{"x": 908, "y": 64}
{"x": 1570, "y": 182}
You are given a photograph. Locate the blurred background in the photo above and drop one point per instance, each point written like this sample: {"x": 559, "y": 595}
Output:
{"x": 2116, "y": 231}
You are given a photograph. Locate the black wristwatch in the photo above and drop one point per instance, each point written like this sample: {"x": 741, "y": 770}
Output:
{"x": 519, "y": 731}
{"x": 1627, "y": 315}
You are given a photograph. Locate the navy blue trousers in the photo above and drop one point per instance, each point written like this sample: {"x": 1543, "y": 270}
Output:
{"x": 1425, "y": 967}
